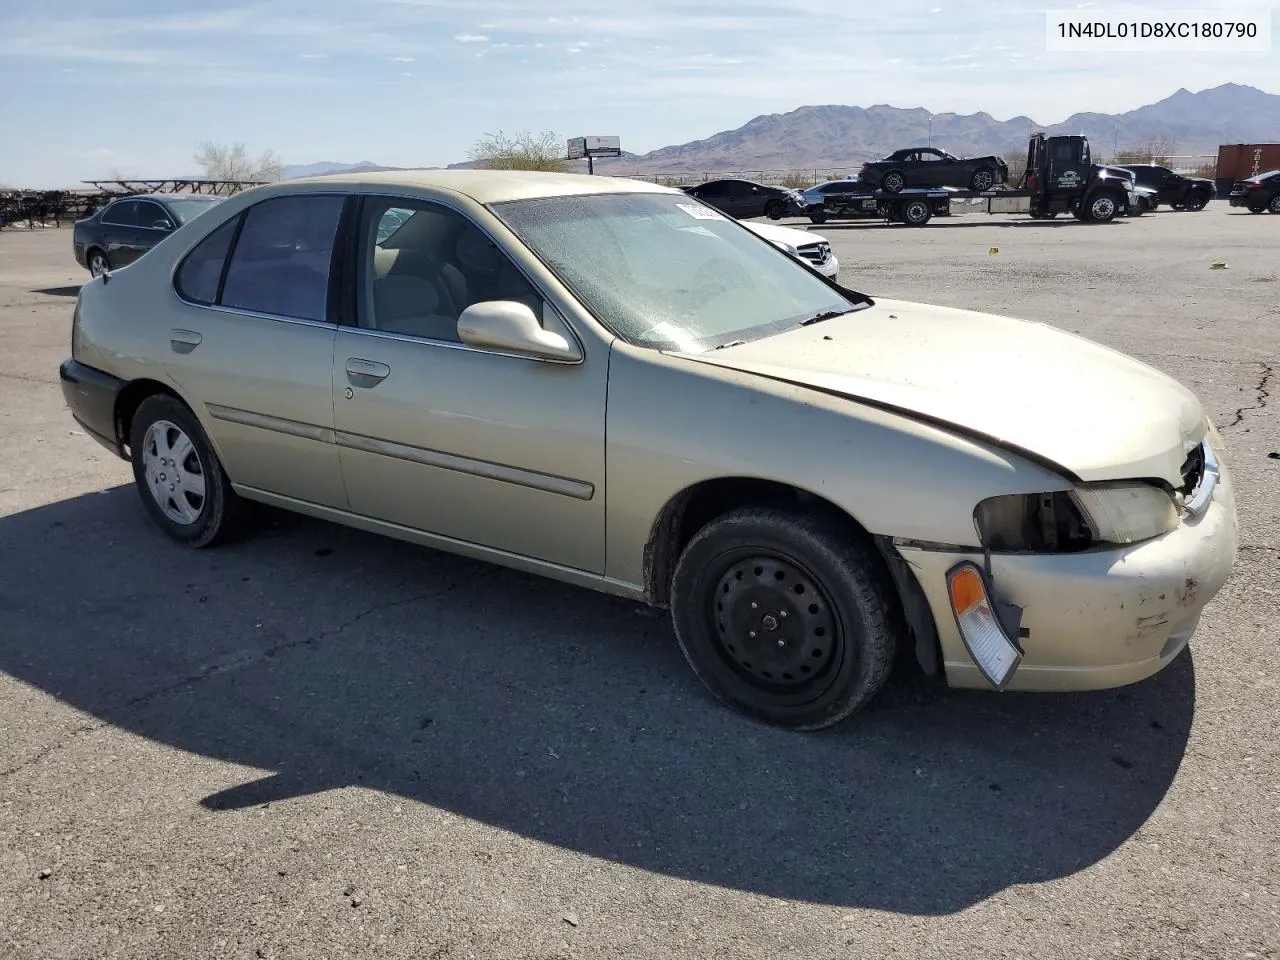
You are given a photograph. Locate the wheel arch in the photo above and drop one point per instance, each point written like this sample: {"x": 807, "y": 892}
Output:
{"x": 691, "y": 509}
{"x": 131, "y": 397}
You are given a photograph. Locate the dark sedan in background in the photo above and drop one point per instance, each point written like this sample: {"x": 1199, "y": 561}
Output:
{"x": 1179, "y": 192}
{"x": 128, "y": 227}
{"x": 744, "y": 199}
{"x": 1258, "y": 193}
{"x": 931, "y": 167}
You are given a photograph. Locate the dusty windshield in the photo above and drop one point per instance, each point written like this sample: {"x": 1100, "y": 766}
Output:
{"x": 188, "y": 208}
{"x": 665, "y": 271}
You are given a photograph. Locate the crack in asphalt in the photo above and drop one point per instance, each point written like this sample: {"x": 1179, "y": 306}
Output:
{"x": 213, "y": 670}
{"x": 1262, "y": 393}
{"x": 1188, "y": 356}
{"x": 18, "y": 376}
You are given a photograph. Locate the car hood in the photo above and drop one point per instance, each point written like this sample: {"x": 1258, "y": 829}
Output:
{"x": 796, "y": 238}
{"x": 1093, "y": 413}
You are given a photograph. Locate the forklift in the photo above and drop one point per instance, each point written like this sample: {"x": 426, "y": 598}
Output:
{"x": 1061, "y": 178}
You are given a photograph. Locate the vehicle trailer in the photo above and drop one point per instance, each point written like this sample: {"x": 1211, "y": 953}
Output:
{"x": 1062, "y": 178}
{"x": 913, "y": 207}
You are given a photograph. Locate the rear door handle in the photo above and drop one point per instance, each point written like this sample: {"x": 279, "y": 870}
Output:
{"x": 366, "y": 373}
{"x": 184, "y": 341}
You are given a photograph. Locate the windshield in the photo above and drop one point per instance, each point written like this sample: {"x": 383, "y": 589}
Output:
{"x": 666, "y": 271}
{"x": 187, "y": 209}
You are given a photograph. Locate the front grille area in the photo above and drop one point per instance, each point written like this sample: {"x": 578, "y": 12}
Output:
{"x": 818, "y": 253}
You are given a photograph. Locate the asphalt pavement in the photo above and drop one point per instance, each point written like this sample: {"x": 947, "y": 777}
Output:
{"x": 318, "y": 743}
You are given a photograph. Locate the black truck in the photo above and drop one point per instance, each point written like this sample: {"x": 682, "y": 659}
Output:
{"x": 1179, "y": 192}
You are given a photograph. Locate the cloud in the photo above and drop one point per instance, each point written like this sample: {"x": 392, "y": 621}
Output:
{"x": 471, "y": 38}
{"x": 401, "y": 59}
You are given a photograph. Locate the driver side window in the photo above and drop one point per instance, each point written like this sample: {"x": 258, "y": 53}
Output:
{"x": 421, "y": 264}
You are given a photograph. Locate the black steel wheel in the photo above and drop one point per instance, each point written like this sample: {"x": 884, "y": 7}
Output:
{"x": 915, "y": 213}
{"x": 782, "y": 618}
{"x": 893, "y": 182}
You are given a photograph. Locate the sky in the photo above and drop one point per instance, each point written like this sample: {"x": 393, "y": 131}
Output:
{"x": 131, "y": 87}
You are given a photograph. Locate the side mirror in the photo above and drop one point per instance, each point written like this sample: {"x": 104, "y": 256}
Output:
{"x": 162, "y": 225}
{"x": 511, "y": 327}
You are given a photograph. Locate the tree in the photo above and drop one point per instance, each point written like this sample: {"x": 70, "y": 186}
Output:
{"x": 1156, "y": 150}
{"x": 1016, "y": 161}
{"x": 524, "y": 151}
{"x": 234, "y": 163}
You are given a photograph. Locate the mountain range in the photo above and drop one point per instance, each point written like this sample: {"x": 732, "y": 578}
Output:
{"x": 836, "y": 136}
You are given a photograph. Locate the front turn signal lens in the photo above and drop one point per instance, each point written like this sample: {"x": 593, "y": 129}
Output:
{"x": 994, "y": 652}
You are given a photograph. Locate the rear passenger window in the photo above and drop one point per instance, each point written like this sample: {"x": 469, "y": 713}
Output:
{"x": 280, "y": 265}
{"x": 124, "y": 213}
{"x": 201, "y": 271}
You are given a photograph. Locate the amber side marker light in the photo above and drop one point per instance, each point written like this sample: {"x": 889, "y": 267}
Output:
{"x": 996, "y": 654}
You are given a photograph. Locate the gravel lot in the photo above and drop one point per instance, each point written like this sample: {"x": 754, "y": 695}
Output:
{"x": 316, "y": 743}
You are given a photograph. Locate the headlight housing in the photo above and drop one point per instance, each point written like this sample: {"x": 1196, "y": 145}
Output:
{"x": 1066, "y": 521}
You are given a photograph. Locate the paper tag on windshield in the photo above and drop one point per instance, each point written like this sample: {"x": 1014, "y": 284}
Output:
{"x": 700, "y": 213}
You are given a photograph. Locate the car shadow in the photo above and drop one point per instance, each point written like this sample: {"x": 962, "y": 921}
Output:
{"x": 68, "y": 291}
{"x": 331, "y": 658}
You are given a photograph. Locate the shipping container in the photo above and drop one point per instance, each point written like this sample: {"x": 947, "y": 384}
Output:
{"x": 1237, "y": 161}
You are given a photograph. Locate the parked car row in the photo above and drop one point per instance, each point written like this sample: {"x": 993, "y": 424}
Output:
{"x": 1257, "y": 194}
{"x": 613, "y": 384}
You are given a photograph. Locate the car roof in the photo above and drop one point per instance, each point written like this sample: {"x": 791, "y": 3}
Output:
{"x": 490, "y": 186}
{"x": 165, "y": 196}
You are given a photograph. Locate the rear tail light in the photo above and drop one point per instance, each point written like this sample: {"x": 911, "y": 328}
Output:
{"x": 996, "y": 654}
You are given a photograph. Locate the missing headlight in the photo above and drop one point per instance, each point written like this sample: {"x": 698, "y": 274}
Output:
{"x": 1033, "y": 522}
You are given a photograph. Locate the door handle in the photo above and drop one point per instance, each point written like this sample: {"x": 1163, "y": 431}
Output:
{"x": 366, "y": 373}
{"x": 184, "y": 341}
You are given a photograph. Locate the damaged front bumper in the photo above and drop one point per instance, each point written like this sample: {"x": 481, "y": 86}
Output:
{"x": 1095, "y": 619}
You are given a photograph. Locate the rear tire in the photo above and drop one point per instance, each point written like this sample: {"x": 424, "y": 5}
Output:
{"x": 915, "y": 213}
{"x": 1274, "y": 205}
{"x": 784, "y": 619}
{"x": 98, "y": 262}
{"x": 178, "y": 475}
{"x": 817, "y": 218}
{"x": 1195, "y": 202}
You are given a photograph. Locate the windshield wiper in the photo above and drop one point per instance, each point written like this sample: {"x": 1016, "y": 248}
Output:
{"x": 731, "y": 343}
{"x": 826, "y": 315}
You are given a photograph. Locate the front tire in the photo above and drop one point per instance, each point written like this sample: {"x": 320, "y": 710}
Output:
{"x": 179, "y": 477}
{"x": 983, "y": 178}
{"x": 817, "y": 218}
{"x": 775, "y": 209}
{"x": 782, "y": 618}
{"x": 1102, "y": 208}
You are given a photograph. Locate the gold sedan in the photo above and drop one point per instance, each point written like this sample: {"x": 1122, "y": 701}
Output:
{"x": 610, "y": 383}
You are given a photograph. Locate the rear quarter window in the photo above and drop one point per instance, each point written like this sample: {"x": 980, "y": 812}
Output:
{"x": 201, "y": 270}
